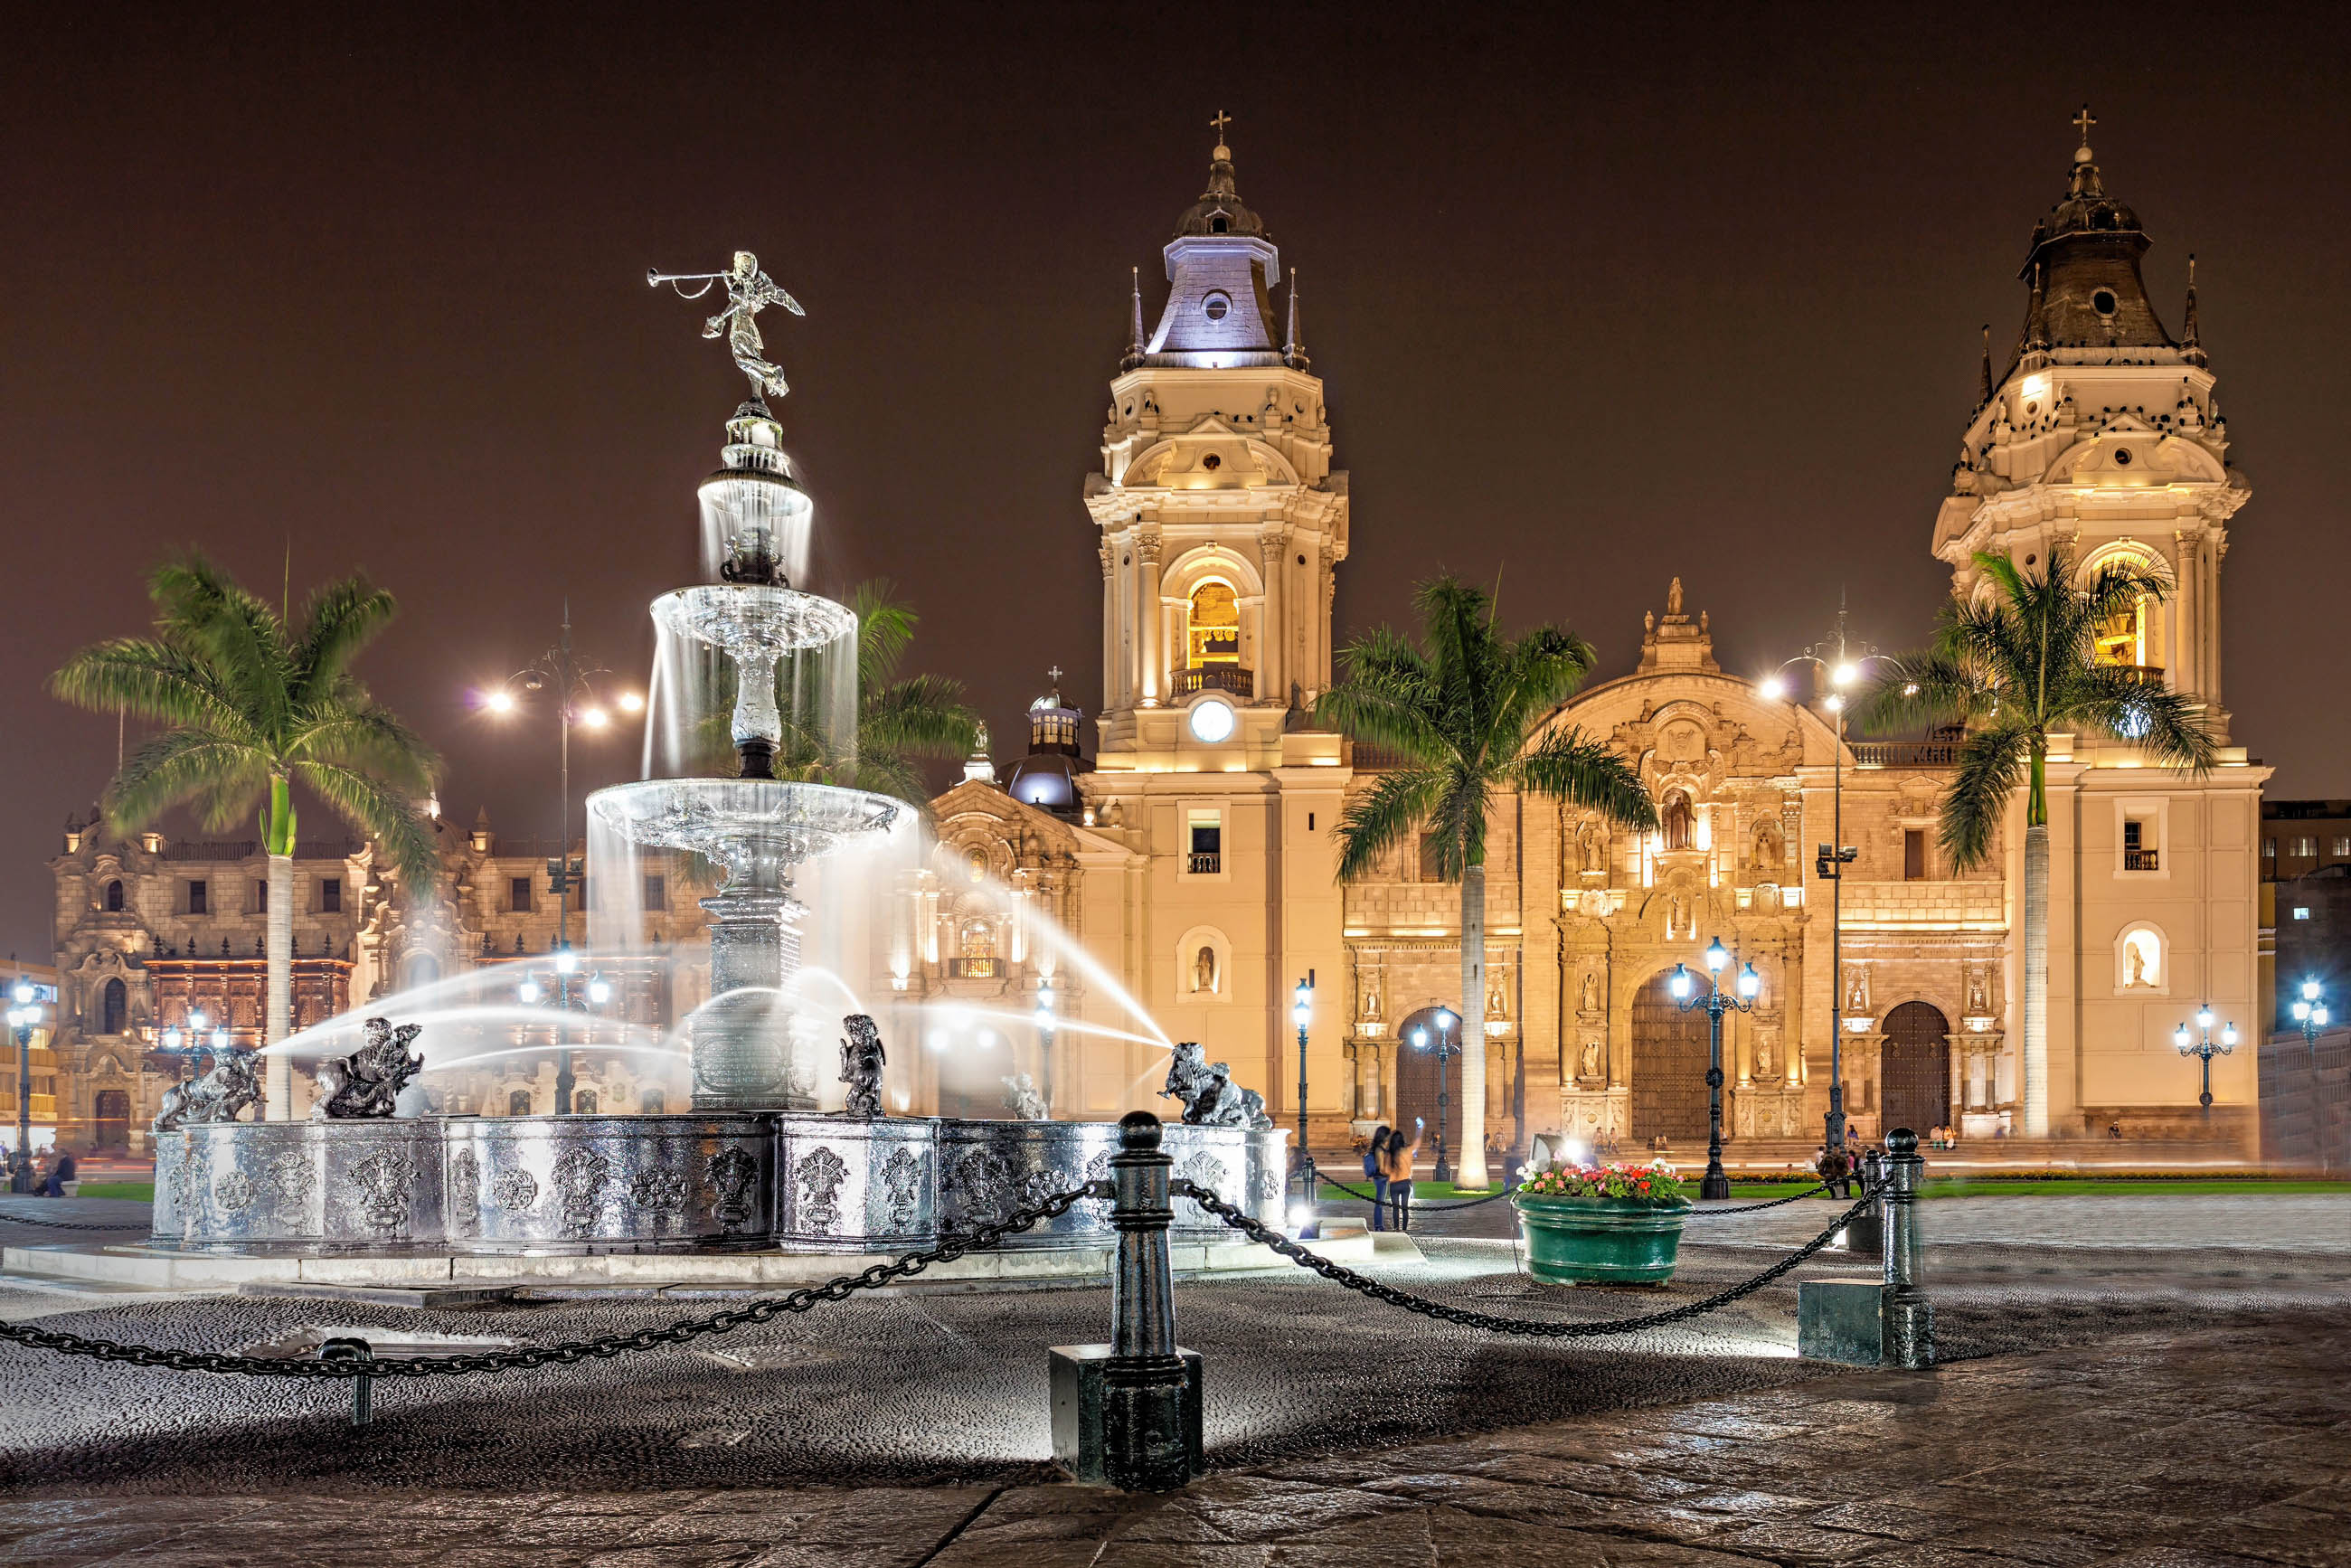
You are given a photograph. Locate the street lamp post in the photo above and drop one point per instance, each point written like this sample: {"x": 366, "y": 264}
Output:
{"x": 1683, "y": 985}
{"x": 22, "y": 1017}
{"x": 1446, "y": 1049}
{"x": 2204, "y": 1048}
{"x": 2310, "y": 1015}
{"x": 1302, "y": 1013}
{"x": 1843, "y": 665}
{"x": 562, "y": 670}
{"x": 597, "y": 992}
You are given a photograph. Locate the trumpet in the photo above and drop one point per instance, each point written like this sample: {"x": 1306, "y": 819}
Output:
{"x": 656, "y": 279}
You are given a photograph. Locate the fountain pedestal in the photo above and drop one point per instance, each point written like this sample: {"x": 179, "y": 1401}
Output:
{"x": 741, "y": 1040}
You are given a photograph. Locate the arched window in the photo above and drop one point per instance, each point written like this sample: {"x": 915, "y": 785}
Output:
{"x": 2131, "y": 639}
{"x": 583, "y": 1101}
{"x": 1216, "y": 630}
{"x": 652, "y": 1102}
{"x": 114, "y": 1003}
{"x": 518, "y": 1103}
{"x": 114, "y": 898}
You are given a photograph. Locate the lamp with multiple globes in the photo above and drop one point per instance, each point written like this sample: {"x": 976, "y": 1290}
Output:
{"x": 1682, "y": 985}
{"x": 1445, "y": 1046}
{"x": 1302, "y": 1013}
{"x": 2205, "y": 1048}
{"x": 2310, "y": 1015}
{"x": 23, "y": 1015}
{"x": 1842, "y": 664}
{"x": 595, "y": 992}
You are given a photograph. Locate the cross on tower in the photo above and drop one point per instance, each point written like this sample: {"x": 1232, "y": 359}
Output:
{"x": 1221, "y": 121}
{"x": 2086, "y": 120}
{"x": 1054, "y": 675}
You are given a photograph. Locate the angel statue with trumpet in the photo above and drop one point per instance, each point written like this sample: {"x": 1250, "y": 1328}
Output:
{"x": 748, "y": 292}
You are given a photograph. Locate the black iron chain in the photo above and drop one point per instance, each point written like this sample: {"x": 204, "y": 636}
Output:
{"x": 1416, "y": 1207}
{"x": 1694, "y": 1213}
{"x": 568, "y": 1352}
{"x": 1490, "y": 1322}
{"x": 18, "y": 1219}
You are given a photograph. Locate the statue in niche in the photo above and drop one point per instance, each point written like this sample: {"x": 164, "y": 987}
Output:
{"x": 1678, "y": 820}
{"x": 1767, "y": 897}
{"x": 1203, "y": 969}
{"x": 1979, "y": 994}
{"x": 1372, "y": 1004}
{"x": 1590, "y": 991}
{"x": 1596, "y": 848}
{"x": 1494, "y": 1004}
{"x": 1677, "y": 915}
{"x": 1769, "y": 847}
{"x": 1856, "y": 993}
{"x": 2135, "y": 960}
{"x": 1763, "y": 1059}
{"x": 1589, "y": 1067}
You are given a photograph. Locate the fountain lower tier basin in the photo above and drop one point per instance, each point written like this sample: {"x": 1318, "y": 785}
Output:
{"x": 788, "y": 1181}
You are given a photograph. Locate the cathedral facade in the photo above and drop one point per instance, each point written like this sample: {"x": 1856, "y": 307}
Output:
{"x": 1193, "y": 863}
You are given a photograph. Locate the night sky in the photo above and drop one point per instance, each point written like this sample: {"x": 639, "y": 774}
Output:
{"x": 1598, "y": 301}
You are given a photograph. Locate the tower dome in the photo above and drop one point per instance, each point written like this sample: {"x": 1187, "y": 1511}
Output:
{"x": 1221, "y": 268}
{"x": 2083, "y": 265}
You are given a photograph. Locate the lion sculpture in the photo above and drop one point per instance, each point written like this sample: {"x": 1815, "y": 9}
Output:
{"x": 1211, "y": 1098}
{"x": 367, "y": 1084}
{"x": 227, "y": 1087}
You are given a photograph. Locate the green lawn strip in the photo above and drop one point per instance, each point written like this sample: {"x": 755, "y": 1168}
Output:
{"x": 143, "y": 1191}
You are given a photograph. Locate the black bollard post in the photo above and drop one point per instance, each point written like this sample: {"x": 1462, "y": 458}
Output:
{"x": 363, "y": 1386}
{"x": 1909, "y": 1317}
{"x": 1128, "y": 1413}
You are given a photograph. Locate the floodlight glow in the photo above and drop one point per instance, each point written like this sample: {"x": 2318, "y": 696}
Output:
{"x": 630, "y": 702}
{"x": 567, "y": 960}
{"x": 2180, "y": 1037}
{"x": 1749, "y": 982}
{"x": 24, "y": 990}
{"x": 1771, "y": 688}
{"x": 2203, "y": 1017}
{"x": 498, "y": 701}
{"x": 1844, "y": 674}
{"x": 2310, "y": 990}
{"x": 2229, "y": 1034}
{"x": 1680, "y": 984}
{"x": 1834, "y": 703}
{"x": 1717, "y": 955}
{"x": 599, "y": 990}
{"x": 528, "y": 992}
{"x": 594, "y": 718}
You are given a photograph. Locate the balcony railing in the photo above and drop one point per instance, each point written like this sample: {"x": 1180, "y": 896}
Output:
{"x": 1905, "y": 753}
{"x": 1231, "y": 678}
{"x": 304, "y": 850}
{"x": 2140, "y": 860}
{"x": 1205, "y": 863}
{"x": 974, "y": 968}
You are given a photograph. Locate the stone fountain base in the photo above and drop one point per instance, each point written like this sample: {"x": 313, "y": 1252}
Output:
{"x": 760, "y": 1181}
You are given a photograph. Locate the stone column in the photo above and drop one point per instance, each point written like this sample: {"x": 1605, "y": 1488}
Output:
{"x": 1272, "y": 647}
{"x": 1151, "y": 619}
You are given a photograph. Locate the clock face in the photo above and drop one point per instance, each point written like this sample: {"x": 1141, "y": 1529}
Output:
{"x": 1212, "y": 721}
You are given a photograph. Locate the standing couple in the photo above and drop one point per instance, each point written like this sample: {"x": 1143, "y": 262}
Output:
{"x": 1389, "y": 1163}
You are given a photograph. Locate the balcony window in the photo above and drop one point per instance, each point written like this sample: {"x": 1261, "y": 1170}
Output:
{"x": 519, "y": 896}
{"x": 1215, "y": 634}
{"x": 1914, "y": 854}
{"x": 199, "y": 898}
{"x": 1204, "y": 854}
{"x": 260, "y": 898}
{"x": 656, "y": 891}
{"x": 2133, "y": 640}
{"x": 2139, "y": 851}
{"x": 330, "y": 895}
{"x": 2304, "y": 849}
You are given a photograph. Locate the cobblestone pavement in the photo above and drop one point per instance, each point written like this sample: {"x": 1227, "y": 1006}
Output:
{"x": 2217, "y": 1448}
{"x": 2119, "y": 1395}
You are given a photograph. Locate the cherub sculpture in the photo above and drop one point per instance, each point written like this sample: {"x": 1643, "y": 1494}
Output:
{"x": 1211, "y": 1098}
{"x": 366, "y": 1084}
{"x": 1020, "y": 1097}
{"x": 227, "y": 1087}
{"x": 861, "y": 1060}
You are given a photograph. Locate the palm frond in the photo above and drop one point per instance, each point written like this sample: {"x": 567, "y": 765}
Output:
{"x": 1992, "y": 762}
{"x": 391, "y": 817}
{"x": 339, "y": 621}
{"x": 923, "y": 716}
{"x": 148, "y": 676}
{"x": 2172, "y": 727}
{"x": 1387, "y": 694}
{"x": 1570, "y": 766}
{"x": 370, "y": 739}
{"x": 885, "y": 627}
{"x": 1383, "y": 816}
{"x": 240, "y": 636}
{"x": 181, "y": 765}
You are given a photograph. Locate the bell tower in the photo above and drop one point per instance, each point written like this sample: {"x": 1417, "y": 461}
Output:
{"x": 2103, "y": 435}
{"x": 1221, "y": 518}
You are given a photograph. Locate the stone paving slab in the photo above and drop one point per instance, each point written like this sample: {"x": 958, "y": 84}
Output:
{"x": 2228, "y": 1446}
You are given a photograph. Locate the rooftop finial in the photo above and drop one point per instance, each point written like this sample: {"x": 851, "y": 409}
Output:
{"x": 2083, "y": 120}
{"x": 1986, "y": 366}
{"x": 1133, "y": 356}
{"x": 1293, "y": 353}
{"x": 1223, "y": 155}
{"x": 2195, "y": 350}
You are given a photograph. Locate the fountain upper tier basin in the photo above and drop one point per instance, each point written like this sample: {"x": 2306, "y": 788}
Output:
{"x": 751, "y": 621}
{"x": 756, "y": 828}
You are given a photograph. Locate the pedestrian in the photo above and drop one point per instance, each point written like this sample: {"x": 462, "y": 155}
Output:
{"x": 1376, "y": 1169}
{"x": 1401, "y": 1158}
{"x": 41, "y": 1174}
{"x": 65, "y": 1181}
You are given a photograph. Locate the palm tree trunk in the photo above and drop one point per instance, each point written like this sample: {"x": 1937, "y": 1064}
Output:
{"x": 1469, "y": 1165}
{"x": 277, "y": 1084}
{"x": 2036, "y": 980}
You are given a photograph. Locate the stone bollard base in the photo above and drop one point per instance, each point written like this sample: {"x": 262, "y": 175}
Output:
{"x": 1864, "y": 1236}
{"x": 1841, "y": 1320}
{"x": 1080, "y": 1446}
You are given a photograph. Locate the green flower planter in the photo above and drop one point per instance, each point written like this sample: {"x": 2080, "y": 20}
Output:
{"x": 1600, "y": 1241}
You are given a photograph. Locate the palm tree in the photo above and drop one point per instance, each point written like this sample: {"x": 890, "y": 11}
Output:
{"x": 1465, "y": 714}
{"x": 256, "y": 704}
{"x": 901, "y": 723}
{"x": 2016, "y": 666}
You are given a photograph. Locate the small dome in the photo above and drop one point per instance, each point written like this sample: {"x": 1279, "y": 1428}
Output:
{"x": 1220, "y": 210}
